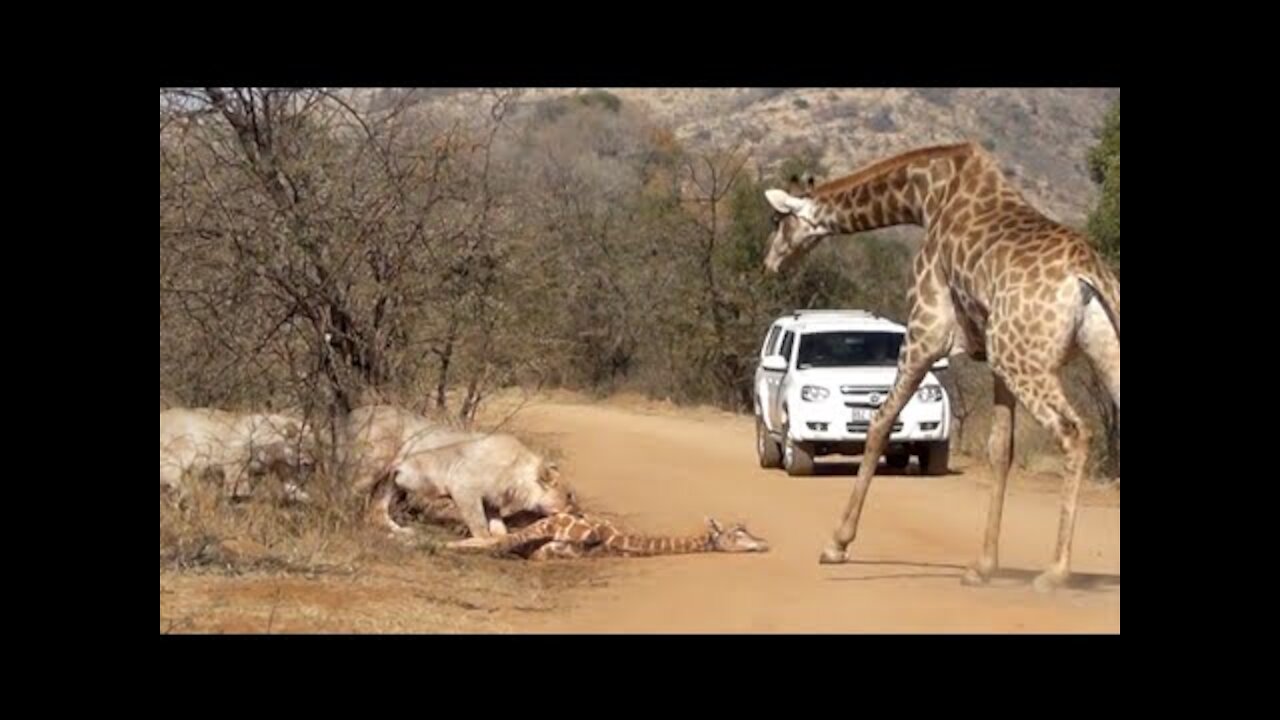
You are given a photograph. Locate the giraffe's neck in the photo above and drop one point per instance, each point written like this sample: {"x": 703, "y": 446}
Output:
{"x": 909, "y": 189}
{"x": 656, "y": 545}
{"x": 600, "y": 535}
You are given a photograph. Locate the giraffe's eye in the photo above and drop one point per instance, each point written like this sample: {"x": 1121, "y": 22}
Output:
{"x": 776, "y": 218}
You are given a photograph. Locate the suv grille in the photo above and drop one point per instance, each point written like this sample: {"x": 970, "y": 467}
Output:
{"x": 861, "y": 427}
{"x": 864, "y": 389}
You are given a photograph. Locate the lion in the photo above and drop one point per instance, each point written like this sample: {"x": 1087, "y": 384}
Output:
{"x": 236, "y": 445}
{"x": 392, "y": 455}
{"x": 372, "y": 436}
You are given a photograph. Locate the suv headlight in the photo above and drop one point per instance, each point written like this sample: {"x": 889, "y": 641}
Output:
{"x": 811, "y": 393}
{"x": 930, "y": 393}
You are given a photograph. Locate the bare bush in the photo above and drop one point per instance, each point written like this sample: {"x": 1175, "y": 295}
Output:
{"x": 310, "y": 251}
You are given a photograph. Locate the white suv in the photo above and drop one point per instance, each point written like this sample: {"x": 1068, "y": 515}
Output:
{"x": 822, "y": 375}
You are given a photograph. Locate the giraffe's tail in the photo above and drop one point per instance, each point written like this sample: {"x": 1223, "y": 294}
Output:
{"x": 1098, "y": 334}
{"x": 1104, "y": 286}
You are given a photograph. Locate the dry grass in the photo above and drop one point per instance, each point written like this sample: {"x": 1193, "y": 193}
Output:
{"x": 266, "y": 566}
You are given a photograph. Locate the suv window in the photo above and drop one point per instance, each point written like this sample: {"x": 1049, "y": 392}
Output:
{"x": 787, "y": 341}
{"x": 849, "y": 349}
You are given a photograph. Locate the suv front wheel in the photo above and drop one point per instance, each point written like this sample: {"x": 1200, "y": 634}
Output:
{"x": 797, "y": 457}
{"x": 767, "y": 448}
{"x": 898, "y": 461}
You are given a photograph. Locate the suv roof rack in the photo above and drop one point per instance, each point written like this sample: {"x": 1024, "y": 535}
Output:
{"x": 847, "y": 313}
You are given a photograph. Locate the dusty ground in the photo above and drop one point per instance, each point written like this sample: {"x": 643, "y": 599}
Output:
{"x": 663, "y": 470}
{"x": 441, "y": 595}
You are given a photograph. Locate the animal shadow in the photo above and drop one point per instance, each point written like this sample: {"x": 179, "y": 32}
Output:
{"x": 1003, "y": 577}
{"x": 850, "y": 467}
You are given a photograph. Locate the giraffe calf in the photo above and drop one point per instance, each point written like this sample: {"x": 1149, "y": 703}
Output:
{"x": 569, "y": 535}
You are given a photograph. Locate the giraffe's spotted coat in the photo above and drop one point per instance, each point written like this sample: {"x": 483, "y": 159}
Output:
{"x": 994, "y": 278}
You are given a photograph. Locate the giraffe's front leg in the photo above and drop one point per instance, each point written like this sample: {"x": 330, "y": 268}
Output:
{"x": 913, "y": 365}
{"x": 909, "y": 379}
{"x": 931, "y": 329}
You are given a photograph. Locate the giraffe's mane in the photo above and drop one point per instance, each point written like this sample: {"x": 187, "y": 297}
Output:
{"x": 881, "y": 167}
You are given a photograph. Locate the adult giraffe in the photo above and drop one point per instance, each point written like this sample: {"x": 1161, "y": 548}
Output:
{"x": 995, "y": 278}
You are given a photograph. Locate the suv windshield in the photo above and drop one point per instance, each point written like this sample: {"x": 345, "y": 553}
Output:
{"x": 848, "y": 349}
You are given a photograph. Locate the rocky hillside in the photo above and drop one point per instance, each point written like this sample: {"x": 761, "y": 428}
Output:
{"x": 1040, "y": 134}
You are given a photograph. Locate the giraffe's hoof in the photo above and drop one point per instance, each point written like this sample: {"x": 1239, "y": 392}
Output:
{"x": 1047, "y": 582}
{"x": 975, "y": 576}
{"x": 832, "y": 556}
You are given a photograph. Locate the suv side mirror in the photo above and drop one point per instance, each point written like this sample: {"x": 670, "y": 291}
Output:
{"x": 775, "y": 363}
{"x": 942, "y": 364}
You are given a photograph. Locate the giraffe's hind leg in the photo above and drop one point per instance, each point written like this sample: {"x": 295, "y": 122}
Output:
{"x": 1000, "y": 454}
{"x": 1043, "y": 395}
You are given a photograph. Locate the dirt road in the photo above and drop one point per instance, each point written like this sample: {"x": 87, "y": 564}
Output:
{"x": 663, "y": 471}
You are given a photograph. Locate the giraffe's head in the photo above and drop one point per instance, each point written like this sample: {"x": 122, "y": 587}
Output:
{"x": 796, "y": 226}
{"x": 735, "y": 538}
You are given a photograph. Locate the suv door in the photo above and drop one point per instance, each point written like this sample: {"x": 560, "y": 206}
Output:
{"x": 765, "y": 380}
{"x": 776, "y": 391}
